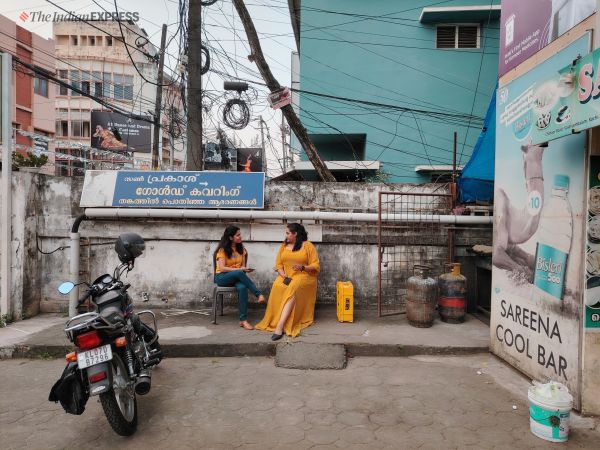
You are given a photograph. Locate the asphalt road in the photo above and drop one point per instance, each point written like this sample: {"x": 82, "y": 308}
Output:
{"x": 227, "y": 403}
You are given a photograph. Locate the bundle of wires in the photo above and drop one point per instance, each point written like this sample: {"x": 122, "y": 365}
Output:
{"x": 236, "y": 114}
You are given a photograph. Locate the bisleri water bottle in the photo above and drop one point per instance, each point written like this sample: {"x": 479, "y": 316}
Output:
{"x": 554, "y": 243}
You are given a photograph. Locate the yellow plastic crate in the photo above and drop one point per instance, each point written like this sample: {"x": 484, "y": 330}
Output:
{"x": 345, "y": 301}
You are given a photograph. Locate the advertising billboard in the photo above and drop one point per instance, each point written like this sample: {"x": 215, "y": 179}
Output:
{"x": 592, "y": 259}
{"x": 217, "y": 157}
{"x": 539, "y": 199}
{"x": 249, "y": 160}
{"x": 117, "y": 133}
{"x": 567, "y": 102}
{"x": 528, "y": 26}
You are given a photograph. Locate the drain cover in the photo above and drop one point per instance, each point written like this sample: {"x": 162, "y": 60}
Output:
{"x": 302, "y": 355}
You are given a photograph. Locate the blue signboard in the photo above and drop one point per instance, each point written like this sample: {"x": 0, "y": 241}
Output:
{"x": 189, "y": 189}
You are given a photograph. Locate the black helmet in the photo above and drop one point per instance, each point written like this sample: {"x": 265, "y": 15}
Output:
{"x": 129, "y": 246}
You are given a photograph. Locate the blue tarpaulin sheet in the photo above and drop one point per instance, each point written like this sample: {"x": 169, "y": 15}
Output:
{"x": 476, "y": 183}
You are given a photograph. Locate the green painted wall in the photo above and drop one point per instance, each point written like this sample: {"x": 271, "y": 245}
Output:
{"x": 379, "y": 51}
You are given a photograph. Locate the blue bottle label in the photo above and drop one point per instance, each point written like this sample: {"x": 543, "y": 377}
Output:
{"x": 550, "y": 270}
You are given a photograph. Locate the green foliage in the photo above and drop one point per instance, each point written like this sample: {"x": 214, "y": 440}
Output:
{"x": 30, "y": 161}
{"x": 45, "y": 356}
{"x": 5, "y": 320}
{"x": 379, "y": 177}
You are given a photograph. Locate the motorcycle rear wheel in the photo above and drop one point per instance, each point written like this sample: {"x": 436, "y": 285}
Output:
{"x": 120, "y": 404}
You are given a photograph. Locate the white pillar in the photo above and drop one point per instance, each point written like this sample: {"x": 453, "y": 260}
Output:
{"x": 74, "y": 270}
{"x": 6, "y": 234}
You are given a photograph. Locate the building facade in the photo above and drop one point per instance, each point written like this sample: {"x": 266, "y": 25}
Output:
{"x": 92, "y": 56}
{"x": 384, "y": 85}
{"x": 32, "y": 96}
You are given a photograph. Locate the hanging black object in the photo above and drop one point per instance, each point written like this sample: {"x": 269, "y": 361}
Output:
{"x": 206, "y": 65}
{"x": 208, "y": 2}
{"x": 238, "y": 86}
{"x": 236, "y": 114}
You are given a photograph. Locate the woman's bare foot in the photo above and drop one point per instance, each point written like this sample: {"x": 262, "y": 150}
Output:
{"x": 261, "y": 298}
{"x": 246, "y": 325}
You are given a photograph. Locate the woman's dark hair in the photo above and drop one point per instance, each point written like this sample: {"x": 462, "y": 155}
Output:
{"x": 225, "y": 242}
{"x": 301, "y": 235}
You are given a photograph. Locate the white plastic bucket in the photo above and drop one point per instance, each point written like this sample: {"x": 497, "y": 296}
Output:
{"x": 549, "y": 411}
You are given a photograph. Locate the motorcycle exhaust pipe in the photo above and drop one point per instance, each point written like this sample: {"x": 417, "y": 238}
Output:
{"x": 143, "y": 383}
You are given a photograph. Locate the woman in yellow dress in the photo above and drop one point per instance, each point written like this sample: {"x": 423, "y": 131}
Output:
{"x": 291, "y": 305}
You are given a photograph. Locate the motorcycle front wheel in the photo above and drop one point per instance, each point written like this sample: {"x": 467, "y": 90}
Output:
{"x": 120, "y": 404}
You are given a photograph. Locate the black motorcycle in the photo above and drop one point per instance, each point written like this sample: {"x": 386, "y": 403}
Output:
{"x": 116, "y": 351}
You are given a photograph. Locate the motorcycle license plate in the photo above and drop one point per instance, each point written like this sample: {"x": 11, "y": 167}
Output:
{"x": 95, "y": 356}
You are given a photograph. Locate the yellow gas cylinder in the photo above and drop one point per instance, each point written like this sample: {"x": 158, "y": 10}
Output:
{"x": 345, "y": 301}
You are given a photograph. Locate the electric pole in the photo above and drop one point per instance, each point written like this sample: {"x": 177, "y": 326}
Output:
{"x": 263, "y": 154}
{"x": 283, "y": 149}
{"x": 159, "y": 86}
{"x": 288, "y": 111}
{"x": 172, "y": 152}
{"x": 194, "y": 151}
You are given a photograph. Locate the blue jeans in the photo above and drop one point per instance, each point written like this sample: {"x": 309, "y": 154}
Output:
{"x": 242, "y": 283}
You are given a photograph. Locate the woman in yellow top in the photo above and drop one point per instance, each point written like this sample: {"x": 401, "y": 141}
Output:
{"x": 230, "y": 270}
{"x": 291, "y": 306}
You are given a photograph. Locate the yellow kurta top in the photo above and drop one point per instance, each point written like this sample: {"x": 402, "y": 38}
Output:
{"x": 303, "y": 287}
{"x": 236, "y": 261}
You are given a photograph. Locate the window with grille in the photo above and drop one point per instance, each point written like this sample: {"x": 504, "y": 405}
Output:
{"x": 40, "y": 86}
{"x": 123, "y": 87}
{"x": 75, "y": 78}
{"x": 457, "y": 36}
{"x": 97, "y": 82}
{"x": 64, "y": 76}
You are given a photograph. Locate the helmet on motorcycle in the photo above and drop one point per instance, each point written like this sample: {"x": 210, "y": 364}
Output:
{"x": 129, "y": 246}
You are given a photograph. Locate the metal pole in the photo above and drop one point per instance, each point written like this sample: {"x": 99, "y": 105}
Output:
{"x": 157, "y": 122}
{"x": 5, "y": 286}
{"x": 262, "y": 140}
{"x": 451, "y": 232}
{"x": 454, "y": 159}
{"x": 283, "y": 143}
{"x": 379, "y": 256}
{"x": 172, "y": 152}
{"x": 74, "y": 273}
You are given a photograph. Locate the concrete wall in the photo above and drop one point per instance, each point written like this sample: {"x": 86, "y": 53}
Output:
{"x": 177, "y": 268}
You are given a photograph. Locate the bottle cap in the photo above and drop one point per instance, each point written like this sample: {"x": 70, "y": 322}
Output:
{"x": 561, "y": 181}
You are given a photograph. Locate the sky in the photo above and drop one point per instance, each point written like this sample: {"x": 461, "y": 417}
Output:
{"x": 227, "y": 44}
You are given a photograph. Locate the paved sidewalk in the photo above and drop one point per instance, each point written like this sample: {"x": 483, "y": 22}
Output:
{"x": 193, "y": 335}
{"x": 426, "y": 402}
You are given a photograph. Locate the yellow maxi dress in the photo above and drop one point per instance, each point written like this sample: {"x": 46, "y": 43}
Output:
{"x": 303, "y": 287}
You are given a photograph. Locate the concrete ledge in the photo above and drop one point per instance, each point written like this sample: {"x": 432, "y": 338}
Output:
{"x": 214, "y": 350}
{"x": 41, "y": 351}
{"x": 251, "y": 349}
{"x": 193, "y": 336}
{"x": 362, "y": 349}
